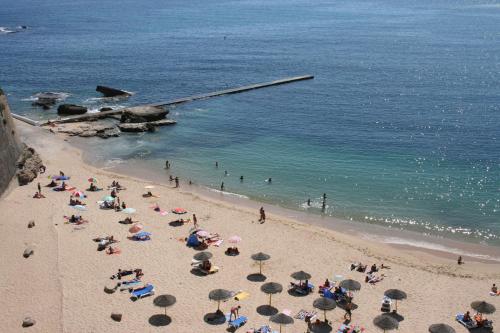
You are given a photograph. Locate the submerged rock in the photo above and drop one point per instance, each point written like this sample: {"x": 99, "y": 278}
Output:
{"x": 163, "y": 122}
{"x": 112, "y": 92}
{"x": 106, "y": 108}
{"x": 142, "y": 114}
{"x": 71, "y": 109}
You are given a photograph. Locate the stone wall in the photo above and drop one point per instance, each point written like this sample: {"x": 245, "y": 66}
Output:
{"x": 10, "y": 145}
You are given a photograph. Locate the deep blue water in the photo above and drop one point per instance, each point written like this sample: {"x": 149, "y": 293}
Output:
{"x": 399, "y": 127}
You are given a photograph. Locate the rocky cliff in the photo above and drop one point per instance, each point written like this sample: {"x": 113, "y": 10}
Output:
{"x": 10, "y": 145}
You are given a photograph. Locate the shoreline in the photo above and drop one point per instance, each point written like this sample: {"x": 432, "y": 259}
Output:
{"x": 407, "y": 240}
{"x": 61, "y": 285}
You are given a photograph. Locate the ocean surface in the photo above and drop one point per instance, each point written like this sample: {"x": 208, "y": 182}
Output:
{"x": 400, "y": 126}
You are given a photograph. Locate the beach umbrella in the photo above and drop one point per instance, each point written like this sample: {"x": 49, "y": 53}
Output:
{"x": 483, "y": 307}
{"x": 92, "y": 180}
{"x": 271, "y": 288}
{"x": 396, "y": 295}
{"x": 234, "y": 239}
{"x": 260, "y": 257}
{"x": 202, "y": 256}
{"x": 281, "y": 319}
{"x": 79, "y": 207}
{"x": 301, "y": 275}
{"x": 325, "y": 304}
{"x": 203, "y": 233}
{"x": 441, "y": 328}
{"x": 350, "y": 284}
{"x": 79, "y": 194}
{"x": 179, "y": 210}
{"x": 164, "y": 301}
{"x": 219, "y": 295}
{"x": 385, "y": 322}
{"x": 129, "y": 210}
{"x": 136, "y": 228}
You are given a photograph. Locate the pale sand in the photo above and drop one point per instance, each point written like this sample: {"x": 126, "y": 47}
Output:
{"x": 61, "y": 285}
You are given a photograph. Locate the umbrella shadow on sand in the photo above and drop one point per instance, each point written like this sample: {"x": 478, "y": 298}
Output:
{"x": 215, "y": 318}
{"x": 267, "y": 310}
{"x": 256, "y": 277}
{"x": 396, "y": 316}
{"x": 481, "y": 330}
{"x": 321, "y": 327}
{"x": 197, "y": 272}
{"x": 176, "y": 223}
{"x": 293, "y": 292}
{"x": 159, "y": 320}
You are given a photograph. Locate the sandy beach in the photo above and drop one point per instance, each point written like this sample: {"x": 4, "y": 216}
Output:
{"x": 62, "y": 285}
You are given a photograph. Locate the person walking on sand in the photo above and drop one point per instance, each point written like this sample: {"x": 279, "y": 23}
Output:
{"x": 195, "y": 221}
{"x": 176, "y": 181}
{"x": 460, "y": 260}
{"x": 262, "y": 215}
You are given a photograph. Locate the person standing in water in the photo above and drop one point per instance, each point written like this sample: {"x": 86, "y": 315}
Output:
{"x": 269, "y": 180}
{"x": 176, "y": 181}
{"x": 222, "y": 186}
{"x": 216, "y": 164}
{"x": 225, "y": 173}
{"x": 262, "y": 215}
{"x": 323, "y": 206}
{"x": 167, "y": 165}
{"x": 241, "y": 179}
{"x": 309, "y": 202}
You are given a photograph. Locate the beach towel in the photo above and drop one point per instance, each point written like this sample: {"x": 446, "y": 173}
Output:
{"x": 241, "y": 295}
{"x": 302, "y": 314}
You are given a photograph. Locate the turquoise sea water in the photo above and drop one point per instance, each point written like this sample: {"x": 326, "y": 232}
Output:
{"x": 400, "y": 126}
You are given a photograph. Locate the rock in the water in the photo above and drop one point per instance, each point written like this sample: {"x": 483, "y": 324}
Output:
{"x": 108, "y": 133}
{"x": 28, "y": 252}
{"x": 141, "y": 114}
{"x": 29, "y": 164}
{"x": 116, "y": 316}
{"x": 28, "y": 321}
{"x": 71, "y": 109}
{"x": 163, "y": 122}
{"x": 111, "y": 92}
{"x": 31, "y": 224}
{"x": 136, "y": 127}
{"x": 106, "y": 108}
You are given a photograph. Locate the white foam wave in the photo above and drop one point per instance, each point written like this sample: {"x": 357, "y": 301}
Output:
{"x": 229, "y": 193}
{"x": 5, "y": 30}
{"x": 109, "y": 164}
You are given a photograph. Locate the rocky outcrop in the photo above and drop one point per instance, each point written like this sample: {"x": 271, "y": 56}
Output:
{"x": 163, "y": 122}
{"x": 143, "y": 114}
{"x": 104, "y": 129}
{"x": 10, "y": 145}
{"x": 112, "y": 92}
{"x": 71, "y": 109}
{"x": 29, "y": 164}
{"x": 28, "y": 322}
{"x": 29, "y": 251}
{"x": 136, "y": 127}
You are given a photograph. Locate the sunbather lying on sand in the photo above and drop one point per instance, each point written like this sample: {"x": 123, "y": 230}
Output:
{"x": 113, "y": 250}
{"x": 358, "y": 267}
{"x": 93, "y": 188}
{"x": 128, "y": 220}
{"x": 124, "y": 272}
{"x": 149, "y": 195}
{"x": 372, "y": 278}
{"x": 75, "y": 202}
